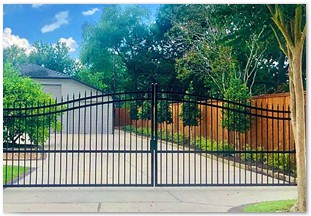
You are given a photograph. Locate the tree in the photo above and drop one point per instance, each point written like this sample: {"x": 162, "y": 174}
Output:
{"x": 235, "y": 117}
{"x": 15, "y": 55}
{"x": 53, "y": 56}
{"x": 164, "y": 111}
{"x": 190, "y": 112}
{"x": 94, "y": 79}
{"x": 126, "y": 32}
{"x": 145, "y": 111}
{"x": 290, "y": 31}
{"x": 19, "y": 92}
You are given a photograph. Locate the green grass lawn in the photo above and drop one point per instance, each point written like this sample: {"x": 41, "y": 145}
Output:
{"x": 271, "y": 206}
{"x": 10, "y": 172}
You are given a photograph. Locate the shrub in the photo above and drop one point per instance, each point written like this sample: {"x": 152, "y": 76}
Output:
{"x": 252, "y": 156}
{"x": 209, "y": 145}
{"x": 235, "y": 117}
{"x": 281, "y": 161}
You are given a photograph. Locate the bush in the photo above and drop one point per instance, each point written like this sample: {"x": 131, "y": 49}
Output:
{"x": 235, "y": 116}
{"x": 21, "y": 92}
{"x": 281, "y": 162}
{"x": 209, "y": 145}
{"x": 253, "y": 157}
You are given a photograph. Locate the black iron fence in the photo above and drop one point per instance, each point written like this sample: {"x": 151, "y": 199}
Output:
{"x": 173, "y": 139}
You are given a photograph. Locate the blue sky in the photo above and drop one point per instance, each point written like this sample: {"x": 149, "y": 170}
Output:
{"x": 24, "y": 24}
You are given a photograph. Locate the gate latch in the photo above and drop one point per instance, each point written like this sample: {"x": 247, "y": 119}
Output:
{"x": 153, "y": 144}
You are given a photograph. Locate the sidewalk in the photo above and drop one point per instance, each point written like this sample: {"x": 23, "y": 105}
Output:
{"x": 181, "y": 199}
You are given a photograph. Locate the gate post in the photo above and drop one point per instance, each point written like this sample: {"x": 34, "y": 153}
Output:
{"x": 154, "y": 133}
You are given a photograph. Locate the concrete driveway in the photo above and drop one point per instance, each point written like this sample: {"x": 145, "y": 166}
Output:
{"x": 130, "y": 164}
{"x": 90, "y": 168}
{"x": 182, "y": 199}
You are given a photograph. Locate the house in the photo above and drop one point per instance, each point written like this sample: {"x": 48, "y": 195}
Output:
{"x": 91, "y": 119}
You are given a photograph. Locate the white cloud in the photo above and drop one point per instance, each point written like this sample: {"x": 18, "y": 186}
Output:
{"x": 36, "y": 5}
{"x": 61, "y": 19}
{"x": 90, "y": 12}
{"x": 70, "y": 43}
{"x": 10, "y": 39}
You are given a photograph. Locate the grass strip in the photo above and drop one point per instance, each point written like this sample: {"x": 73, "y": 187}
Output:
{"x": 10, "y": 172}
{"x": 271, "y": 206}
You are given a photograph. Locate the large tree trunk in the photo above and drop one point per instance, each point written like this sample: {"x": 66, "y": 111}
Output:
{"x": 298, "y": 123}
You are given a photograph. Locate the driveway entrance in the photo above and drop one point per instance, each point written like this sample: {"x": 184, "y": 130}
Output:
{"x": 173, "y": 138}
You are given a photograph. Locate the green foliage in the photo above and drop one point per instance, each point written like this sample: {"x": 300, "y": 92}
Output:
{"x": 235, "y": 116}
{"x": 217, "y": 146}
{"x": 19, "y": 92}
{"x": 253, "y": 157}
{"x": 281, "y": 162}
{"x": 125, "y": 32}
{"x": 54, "y": 56}
{"x": 133, "y": 109}
{"x": 190, "y": 112}
{"x": 164, "y": 111}
{"x": 162, "y": 134}
{"x": 145, "y": 111}
{"x": 94, "y": 79}
{"x": 14, "y": 55}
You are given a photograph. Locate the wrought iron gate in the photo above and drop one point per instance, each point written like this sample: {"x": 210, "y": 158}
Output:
{"x": 155, "y": 137}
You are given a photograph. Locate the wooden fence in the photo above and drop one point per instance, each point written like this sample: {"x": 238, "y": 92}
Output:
{"x": 266, "y": 133}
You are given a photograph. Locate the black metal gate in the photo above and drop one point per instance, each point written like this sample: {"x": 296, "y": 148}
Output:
{"x": 155, "y": 137}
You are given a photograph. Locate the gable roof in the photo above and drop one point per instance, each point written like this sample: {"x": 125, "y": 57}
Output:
{"x": 38, "y": 72}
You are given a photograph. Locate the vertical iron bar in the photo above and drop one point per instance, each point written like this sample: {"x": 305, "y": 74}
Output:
{"x": 283, "y": 146}
{"x": 200, "y": 170}
{"x": 152, "y": 134}
{"x": 96, "y": 140}
{"x": 178, "y": 141}
{"x": 189, "y": 141}
{"x": 79, "y": 123}
{"x": 25, "y": 122}
{"x": 107, "y": 144}
{"x": 267, "y": 144}
{"x": 256, "y": 154}
{"x": 43, "y": 130}
{"x": 49, "y": 142}
{"x": 130, "y": 165}
{"x": 141, "y": 140}
{"x": 136, "y": 144}
{"x": 261, "y": 144}
{"x": 278, "y": 143}
{"x": 37, "y": 144}
{"x": 55, "y": 122}
{"x": 84, "y": 136}
{"x": 67, "y": 135}
{"x": 156, "y": 134}
{"x": 119, "y": 143}
{"x": 251, "y": 140}
{"x": 195, "y": 148}
{"x": 90, "y": 136}
{"x": 273, "y": 144}
{"x": 124, "y": 144}
{"x": 205, "y": 146}
{"x": 73, "y": 134}
{"x": 19, "y": 141}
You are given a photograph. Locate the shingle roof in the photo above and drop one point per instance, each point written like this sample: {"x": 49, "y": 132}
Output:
{"x": 36, "y": 71}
